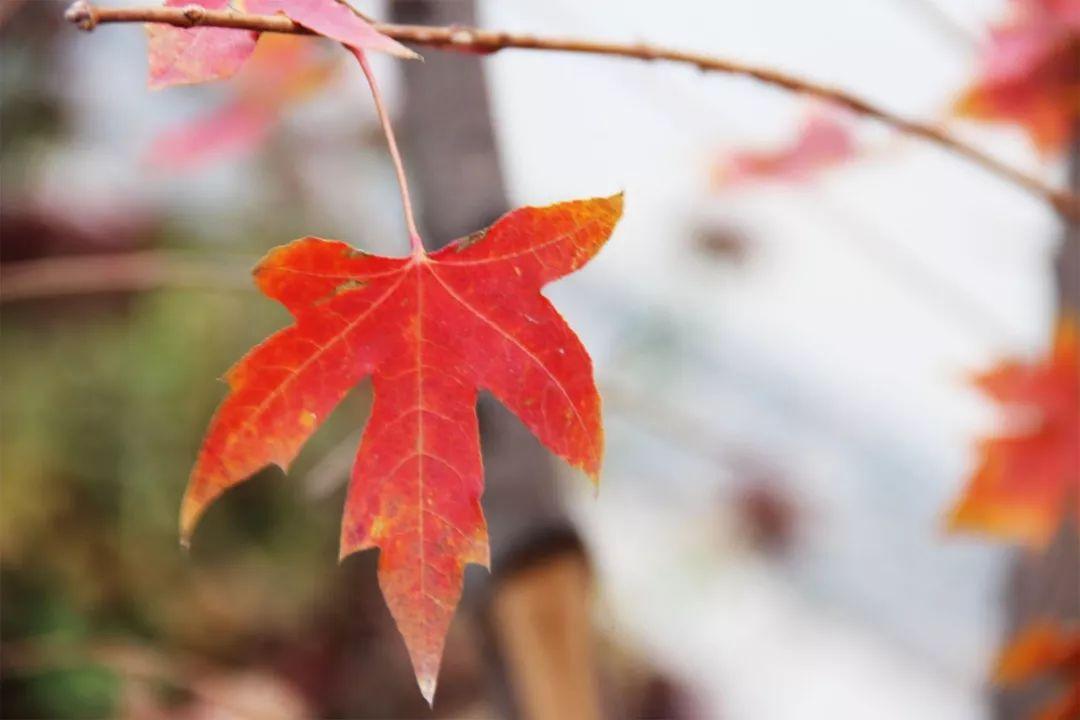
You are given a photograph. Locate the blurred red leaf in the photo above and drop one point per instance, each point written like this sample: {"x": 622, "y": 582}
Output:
{"x": 1031, "y": 73}
{"x": 194, "y": 55}
{"x": 1028, "y": 478}
{"x": 233, "y": 129}
{"x": 1045, "y": 648}
{"x": 431, "y": 330}
{"x": 823, "y": 141}
{"x": 283, "y": 70}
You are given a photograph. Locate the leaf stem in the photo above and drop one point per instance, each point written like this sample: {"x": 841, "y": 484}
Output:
{"x": 87, "y": 16}
{"x": 415, "y": 243}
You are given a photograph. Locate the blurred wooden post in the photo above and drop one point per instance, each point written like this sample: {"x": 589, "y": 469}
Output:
{"x": 538, "y": 598}
{"x": 541, "y": 617}
{"x": 1047, "y": 585}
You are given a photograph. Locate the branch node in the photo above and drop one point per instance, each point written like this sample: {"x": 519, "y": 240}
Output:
{"x": 194, "y": 14}
{"x": 646, "y": 52}
{"x": 82, "y": 15}
{"x": 461, "y": 36}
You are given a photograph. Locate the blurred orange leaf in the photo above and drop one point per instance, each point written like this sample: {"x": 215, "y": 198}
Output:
{"x": 1029, "y": 477}
{"x": 431, "y": 330}
{"x": 1030, "y": 73}
{"x": 1045, "y": 648}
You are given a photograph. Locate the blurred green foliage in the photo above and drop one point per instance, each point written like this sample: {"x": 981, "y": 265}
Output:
{"x": 105, "y": 401}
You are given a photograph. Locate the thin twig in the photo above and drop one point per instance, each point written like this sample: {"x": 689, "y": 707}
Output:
{"x": 118, "y": 272}
{"x": 415, "y": 244}
{"x": 88, "y": 16}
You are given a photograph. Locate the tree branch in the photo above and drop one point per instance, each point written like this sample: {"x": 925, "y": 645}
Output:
{"x": 120, "y": 272}
{"x": 88, "y": 16}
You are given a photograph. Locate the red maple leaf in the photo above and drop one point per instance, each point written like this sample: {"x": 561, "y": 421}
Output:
{"x": 1029, "y": 477}
{"x": 1031, "y": 73}
{"x": 822, "y": 142}
{"x": 283, "y": 70}
{"x": 1045, "y": 648}
{"x": 431, "y": 330}
{"x": 199, "y": 54}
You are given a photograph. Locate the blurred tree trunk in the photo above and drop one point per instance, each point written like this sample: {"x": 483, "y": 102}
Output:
{"x": 1047, "y": 584}
{"x": 537, "y": 600}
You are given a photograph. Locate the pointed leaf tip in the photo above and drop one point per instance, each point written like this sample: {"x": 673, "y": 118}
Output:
{"x": 190, "y": 513}
{"x": 427, "y": 688}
